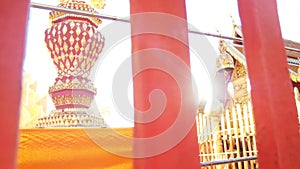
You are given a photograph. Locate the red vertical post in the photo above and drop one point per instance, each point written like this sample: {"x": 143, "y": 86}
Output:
{"x": 277, "y": 130}
{"x": 13, "y": 21}
{"x": 165, "y": 131}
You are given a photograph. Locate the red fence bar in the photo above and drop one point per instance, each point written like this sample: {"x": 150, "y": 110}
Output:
{"x": 274, "y": 108}
{"x": 13, "y": 21}
{"x": 162, "y": 78}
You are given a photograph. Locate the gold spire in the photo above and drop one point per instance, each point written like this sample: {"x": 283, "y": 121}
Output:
{"x": 233, "y": 21}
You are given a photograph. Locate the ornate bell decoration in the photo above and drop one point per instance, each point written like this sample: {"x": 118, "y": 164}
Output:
{"x": 224, "y": 61}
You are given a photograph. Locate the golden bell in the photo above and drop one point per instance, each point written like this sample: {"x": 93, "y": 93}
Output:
{"x": 224, "y": 60}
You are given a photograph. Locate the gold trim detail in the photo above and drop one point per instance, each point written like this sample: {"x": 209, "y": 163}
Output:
{"x": 73, "y": 84}
{"x": 72, "y": 100}
{"x": 72, "y": 117}
{"x": 77, "y": 5}
{"x": 98, "y": 4}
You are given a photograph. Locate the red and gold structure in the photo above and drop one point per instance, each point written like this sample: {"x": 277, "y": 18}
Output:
{"x": 277, "y": 132}
{"x": 74, "y": 44}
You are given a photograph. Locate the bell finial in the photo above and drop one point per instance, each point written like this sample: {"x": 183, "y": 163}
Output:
{"x": 224, "y": 60}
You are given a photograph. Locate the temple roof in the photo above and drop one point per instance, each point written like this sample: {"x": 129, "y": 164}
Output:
{"x": 236, "y": 50}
